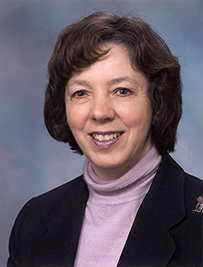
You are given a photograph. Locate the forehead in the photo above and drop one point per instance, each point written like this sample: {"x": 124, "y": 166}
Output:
{"x": 113, "y": 68}
{"x": 114, "y": 61}
{"x": 89, "y": 57}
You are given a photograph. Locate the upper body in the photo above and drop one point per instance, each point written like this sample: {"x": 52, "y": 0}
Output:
{"x": 114, "y": 94}
{"x": 167, "y": 230}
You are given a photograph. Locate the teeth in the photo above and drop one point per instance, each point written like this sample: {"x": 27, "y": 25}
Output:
{"x": 105, "y": 137}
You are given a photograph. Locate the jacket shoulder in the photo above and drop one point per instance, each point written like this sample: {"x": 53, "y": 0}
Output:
{"x": 54, "y": 198}
{"x": 192, "y": 186}
{"x": 66, "y": 190}
{"x": 40, "y": 214}
{"x": 173, "y": 168}
{"x": 193, "y": 182}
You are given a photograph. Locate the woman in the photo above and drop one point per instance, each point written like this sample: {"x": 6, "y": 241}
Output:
{"x": 114, "y": 94}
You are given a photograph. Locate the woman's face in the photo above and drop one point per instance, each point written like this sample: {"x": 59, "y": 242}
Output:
{"x": 109, "y": 113}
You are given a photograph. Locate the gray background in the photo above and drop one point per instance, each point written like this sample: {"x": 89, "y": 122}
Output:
{"x": 31, "y": 162}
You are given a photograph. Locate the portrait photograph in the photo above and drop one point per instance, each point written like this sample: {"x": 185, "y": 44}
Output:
{"x": 101, "y": 133}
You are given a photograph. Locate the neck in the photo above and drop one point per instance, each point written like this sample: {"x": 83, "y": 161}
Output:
{"x": 115, "y": 172}
{"x": 140, "y": 176}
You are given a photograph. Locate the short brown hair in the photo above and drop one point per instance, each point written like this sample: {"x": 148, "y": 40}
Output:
{"x": 80, "y": 45}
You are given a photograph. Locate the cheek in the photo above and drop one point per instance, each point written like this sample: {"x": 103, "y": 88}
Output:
{"x": 75, "y": 118}
{"x": 138, "y": 115}
{"x": 70, "y": 114}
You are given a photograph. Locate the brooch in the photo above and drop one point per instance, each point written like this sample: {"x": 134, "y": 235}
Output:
{"x": 199, "y": 205}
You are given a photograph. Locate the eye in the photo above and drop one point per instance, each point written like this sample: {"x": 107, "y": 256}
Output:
{"x": 79, "y": 94}
{"x": 123, "y": 91}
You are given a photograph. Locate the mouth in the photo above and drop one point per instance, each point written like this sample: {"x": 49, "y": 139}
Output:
{"x": 105, "y": 140}
{"x": 105, "y": 137}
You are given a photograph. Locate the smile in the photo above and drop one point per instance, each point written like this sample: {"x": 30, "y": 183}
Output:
{"x": 106, "y": 137}
{"x": 106, "y": 140}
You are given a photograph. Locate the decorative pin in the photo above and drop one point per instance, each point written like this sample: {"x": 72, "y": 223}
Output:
{"x": 199, "y": 206}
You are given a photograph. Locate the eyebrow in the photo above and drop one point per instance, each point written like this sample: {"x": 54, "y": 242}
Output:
{"x": 80, "y": 82}
{"x": 111, "y": 82}
{"x": 121, "y": 79}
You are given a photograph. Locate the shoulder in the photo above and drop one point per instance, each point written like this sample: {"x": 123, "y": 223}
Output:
{"x": 45, "y": 212}
{"x": 69, "y": 189}
{"x": 53, "y": 203}
{"x": 172, "y": 178}
{"x": 193, "y": 182}
{"x": 62, "y": 194}
{"x": 173, "y": 168}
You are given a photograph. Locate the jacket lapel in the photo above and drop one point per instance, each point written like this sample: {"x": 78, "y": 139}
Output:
{"x": 58, "y": 245}
{"x": 149, "y": 242}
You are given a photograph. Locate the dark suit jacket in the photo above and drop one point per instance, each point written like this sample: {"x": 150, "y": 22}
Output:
{"x": 166, "y": 230}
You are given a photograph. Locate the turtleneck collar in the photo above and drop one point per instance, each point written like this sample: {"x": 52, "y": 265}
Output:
{"x": 132, "y": 185}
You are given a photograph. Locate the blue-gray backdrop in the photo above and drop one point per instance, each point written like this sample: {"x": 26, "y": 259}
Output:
{"x": 31, "y": 162}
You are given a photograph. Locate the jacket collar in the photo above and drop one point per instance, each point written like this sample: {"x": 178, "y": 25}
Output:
{"x": 149, "y": 242}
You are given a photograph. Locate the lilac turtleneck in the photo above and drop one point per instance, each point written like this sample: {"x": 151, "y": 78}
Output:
{"x": 111, "y": 209}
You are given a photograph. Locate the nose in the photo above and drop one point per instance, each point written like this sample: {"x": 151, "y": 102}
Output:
{"x": 102, "y": 109}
